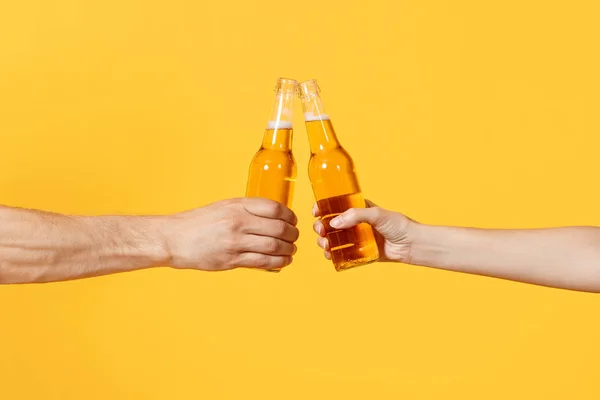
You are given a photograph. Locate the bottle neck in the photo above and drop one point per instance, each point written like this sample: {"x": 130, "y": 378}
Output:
{"x": 279, "y": 139}
{"x": 278, "y": 135}
{"x": 321, "y": 135}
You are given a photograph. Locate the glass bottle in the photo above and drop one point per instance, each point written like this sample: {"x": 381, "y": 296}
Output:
{"x": 335, "y": 184}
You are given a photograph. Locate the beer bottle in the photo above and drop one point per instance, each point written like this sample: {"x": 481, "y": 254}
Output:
{"x": 272, "y": 172}
{"x": 335, "y": 184}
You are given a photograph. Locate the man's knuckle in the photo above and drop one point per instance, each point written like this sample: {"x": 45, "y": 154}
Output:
{"x": 274, "y": 208}
{"x": 281, "y": 228}
{"x": 261, "y": 260}
{"x": 231, "y": 244}
{"x": 272, "y": 245}
{"x": 280, "y": 262}
{"x": 235, "y": 222}
{"x": 295, "y": 234}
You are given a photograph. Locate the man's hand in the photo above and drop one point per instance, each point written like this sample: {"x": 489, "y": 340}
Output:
{"x": 393, "y": 231}
{"x": 246, "y": 232}
{"x": 37, "y": 246}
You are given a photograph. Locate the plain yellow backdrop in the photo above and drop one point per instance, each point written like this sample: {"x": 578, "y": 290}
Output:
{"x": 476, "y": 113}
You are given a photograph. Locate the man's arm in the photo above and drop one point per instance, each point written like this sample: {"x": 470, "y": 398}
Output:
{"x": 38, "y": 246}
{"x": 566, "y": 258}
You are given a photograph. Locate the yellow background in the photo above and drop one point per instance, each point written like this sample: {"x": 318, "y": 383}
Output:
{"x": 477, "y": 113}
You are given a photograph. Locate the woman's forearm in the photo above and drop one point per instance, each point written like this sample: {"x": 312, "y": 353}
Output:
{"x": 38, "y": 246}
{"x": 559, "y": 257}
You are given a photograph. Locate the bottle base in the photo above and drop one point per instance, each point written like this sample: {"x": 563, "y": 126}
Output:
{"x": 346, "y": 265}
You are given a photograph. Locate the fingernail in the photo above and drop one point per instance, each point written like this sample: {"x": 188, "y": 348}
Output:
{"x": 322, "y": 243}
{"x": 337, "y": 221}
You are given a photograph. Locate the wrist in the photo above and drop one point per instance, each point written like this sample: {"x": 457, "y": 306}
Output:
{"x": 420, "y": 243}
{"x": 413, "y": 234}
{"x": 429, "y": 245}
{"x": 163, "y": 229}
{"x": 158, "y": 240}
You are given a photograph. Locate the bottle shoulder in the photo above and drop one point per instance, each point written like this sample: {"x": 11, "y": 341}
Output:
{"x": 338, "y": 153}
{"x": 273, "y": 156}
{"x": 337, "y": 158}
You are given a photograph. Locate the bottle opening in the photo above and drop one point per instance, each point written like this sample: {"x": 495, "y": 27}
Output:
{"x": 308, "y": 88}
{"x": 285, "y": 84}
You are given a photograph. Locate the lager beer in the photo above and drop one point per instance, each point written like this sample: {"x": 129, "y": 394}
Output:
{"x": 272, "y": 172}
{"x": 335, "y": 184}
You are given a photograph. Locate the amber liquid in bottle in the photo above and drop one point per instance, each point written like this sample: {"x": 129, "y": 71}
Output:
{"x": 272, "y": 172}
{"x": 335, "y": 185}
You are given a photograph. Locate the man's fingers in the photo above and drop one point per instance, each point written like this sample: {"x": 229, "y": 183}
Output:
{"x": 257, "y": 260}
{"x": 327, "y": 254}
{"x": 354, "y": 216}
{"x": 268, "y": 245}
{"x": 269, "y": 209}
{"x": 273, "y": 228}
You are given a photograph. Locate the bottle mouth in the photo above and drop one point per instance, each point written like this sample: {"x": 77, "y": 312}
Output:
{"x": 308, "y": 88}
{"x": 286, "y": 84}
{"x": 287, "y": 80}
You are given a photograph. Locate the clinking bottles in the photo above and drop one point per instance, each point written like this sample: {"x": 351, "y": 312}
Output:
{"x": 335, "y": 184}
{"x": 272, "y": 172}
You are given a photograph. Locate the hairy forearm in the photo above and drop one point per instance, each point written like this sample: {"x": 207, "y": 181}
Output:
{"x": 561, "y": 257}
{"x": 38, "y": 246}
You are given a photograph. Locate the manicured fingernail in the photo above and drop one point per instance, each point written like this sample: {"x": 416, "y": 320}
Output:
{"x": 337, "y": 221}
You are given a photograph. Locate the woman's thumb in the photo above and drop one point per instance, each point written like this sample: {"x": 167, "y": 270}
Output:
{"x": 353, "y": 216}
